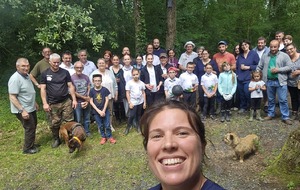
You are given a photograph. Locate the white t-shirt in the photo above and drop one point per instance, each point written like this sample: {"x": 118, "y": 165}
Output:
{"x": 127, "y": 73}
{"x": 136, "y": 91}
{"x": 188, "y": 80}
{"x": 185, "y": 58}
{"x": 256, "y": 93}
{"x": 89, "y": 67}
{"x": 152, "y": 77}
{"x": 169, "y": 83}
{"x": 209, "y": 82}
{"x": 70, "y": 69}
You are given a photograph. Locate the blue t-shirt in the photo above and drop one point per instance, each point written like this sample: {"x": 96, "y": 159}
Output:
{"x": 99, "y": 98}
{"x": 208, "y": 185}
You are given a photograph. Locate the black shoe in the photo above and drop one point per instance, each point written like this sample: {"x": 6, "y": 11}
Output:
{"x": 56, "y": 143}
{"x": 30, "y": 151}
{"x": 266, "y": 109}
{"x": 126, "y": 131}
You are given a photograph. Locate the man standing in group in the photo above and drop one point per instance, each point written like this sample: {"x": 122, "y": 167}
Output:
{"x": 261, "y": 47}
{"x": 223, "y": 56}
{"x": 22, "y": 103}
{"x": 188, "y": 56}
{"x": 89, "y": 66}
{"x": 41, "y": 66}
{"x": 56, "y": 88}
{"x": 67, "y": 62}
{"x": 157, "y": 49}
{"x": 279, "y": 35}
{"x": 82, "y": 91}
{"x": 275, "y": 66}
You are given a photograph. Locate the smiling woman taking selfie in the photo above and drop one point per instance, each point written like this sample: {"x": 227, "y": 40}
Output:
{"x": 174, "y": 139}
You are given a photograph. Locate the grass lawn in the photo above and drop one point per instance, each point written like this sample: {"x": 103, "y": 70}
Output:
{"x": 119, "y": 166}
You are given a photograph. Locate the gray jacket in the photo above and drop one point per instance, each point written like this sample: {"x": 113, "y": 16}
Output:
{"x": 283, "y": 63}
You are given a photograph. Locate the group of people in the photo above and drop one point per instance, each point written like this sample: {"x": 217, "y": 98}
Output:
{"x": 126, "y": 87}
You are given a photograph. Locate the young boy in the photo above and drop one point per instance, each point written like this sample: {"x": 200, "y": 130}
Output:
{"x": 99, "y": 102}
{"x": 189, "y": 82}
{"x": 171, "y": 81}
{"x": 209, "y": 84}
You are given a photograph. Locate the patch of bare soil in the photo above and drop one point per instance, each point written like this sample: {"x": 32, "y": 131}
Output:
{"x": 231, "y": 174}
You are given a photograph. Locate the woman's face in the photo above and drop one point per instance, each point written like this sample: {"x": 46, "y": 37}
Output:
{"x": 174, "y": 149}
{"x": 115, "y": 60}
{"x": 171, "y": 53}
{"x": 106, "y": 57}
{"x": 101, "y": 65}
{"x": 149, "y": 59}
{"x": 139, "y": 60}
{"x": 205, "y": 55}
{"x": 237, "y": 50}
{"x": 245, "y": 46}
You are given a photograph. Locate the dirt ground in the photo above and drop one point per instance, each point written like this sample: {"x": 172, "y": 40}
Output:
{"x": 231, "y": 174}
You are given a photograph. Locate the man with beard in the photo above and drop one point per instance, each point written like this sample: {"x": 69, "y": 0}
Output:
{"x": 224, "y": 56}
{"x": 157, "y": 49}
{"x": 261, "y": 47}
{"x": 275, "y": 67}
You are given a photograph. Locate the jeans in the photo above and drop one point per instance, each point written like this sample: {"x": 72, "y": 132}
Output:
{"x": 104, "y": 124}
{"x": 209, "y": 105}
{"x": 83, "y": 116}
{"x": 243, "y": 88}
{"x": 273, "y": 88}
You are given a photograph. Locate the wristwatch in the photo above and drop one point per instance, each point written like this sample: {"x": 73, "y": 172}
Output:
{"x": 21, "y": 110}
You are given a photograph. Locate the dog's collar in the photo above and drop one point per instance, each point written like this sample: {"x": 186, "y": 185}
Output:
{"x": 78, "y": 140}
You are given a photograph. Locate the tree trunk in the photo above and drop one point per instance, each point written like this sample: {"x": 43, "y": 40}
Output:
{"x": 289, "y": 159}
{"x": 140, "y": 28}
{"x": 171, "y": 23}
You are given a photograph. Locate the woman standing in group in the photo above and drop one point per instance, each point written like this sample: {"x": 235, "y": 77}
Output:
{"x": 245, "y": 64}
{"x": 294, "y": 80}
{"x": 107, "y": 57}
{"x": 172, "y": 59}
{"x": 118, "y": 106}
{"x": 109, "y": 82}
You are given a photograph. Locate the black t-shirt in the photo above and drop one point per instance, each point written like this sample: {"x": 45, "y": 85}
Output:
{"x": 56, "y": 85}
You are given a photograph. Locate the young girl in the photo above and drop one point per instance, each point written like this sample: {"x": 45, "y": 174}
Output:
{"x": 135, "y": 94}
{"x": 209, "y": 84}
{"x": 138, "y": 62}
{"x": 227, "y": 88}
{"x": 255, "y": 87}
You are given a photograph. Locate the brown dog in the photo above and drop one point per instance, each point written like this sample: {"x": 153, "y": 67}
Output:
{"x": 73, "y": 135}
{"x": 241, "y": 146}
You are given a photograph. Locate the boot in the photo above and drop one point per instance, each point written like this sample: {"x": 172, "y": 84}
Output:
{"x": 222, "y": 115}
{"x": 258, "y": 115}
{"x": 55, "y": 134}
{"x": 218, "y": 108}
{"x": 138, "y": 129}
{"x": 227, "y": 115}
{"x": 127, "y": 130}
{"x": 251, "y": 115}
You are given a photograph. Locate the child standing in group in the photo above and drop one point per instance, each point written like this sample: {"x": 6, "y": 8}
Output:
{"x": 171, "y": 81}
{"x": 209, "y": 84}
{"x": 189, "y": 82}
{"x": 99, "y": 102}
{"x": 255, "y": 87}
{"x": 136, "y": 97}
{"x": 227, "y": 88}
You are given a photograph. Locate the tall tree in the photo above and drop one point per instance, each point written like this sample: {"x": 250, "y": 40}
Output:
{"x": 171, "y": 22}
{"x": 140, "y": 28}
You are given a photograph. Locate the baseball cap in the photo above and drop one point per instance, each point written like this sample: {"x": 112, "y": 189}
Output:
{"x": 172, "y": 69}
{"x": 163, "y": 55}
{"x": 222, "y": 42}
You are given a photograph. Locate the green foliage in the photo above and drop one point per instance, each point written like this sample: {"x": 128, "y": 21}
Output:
{"x": 63, "y": 22}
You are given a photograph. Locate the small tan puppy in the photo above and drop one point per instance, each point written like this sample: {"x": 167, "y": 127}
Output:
{"x": 241, "y": 146}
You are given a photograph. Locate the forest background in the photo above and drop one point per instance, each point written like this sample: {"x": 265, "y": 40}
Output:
{"x": 99, "y": 25}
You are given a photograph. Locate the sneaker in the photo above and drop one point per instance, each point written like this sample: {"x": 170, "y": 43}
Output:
{"x": 103, "y": 141}
{"x": 112, "y": 140}
{"x": 241, "y": 111}
{"x": 212, "y": 117}
{"x": 288, "y": 122}
{"x": 294, "y": 116}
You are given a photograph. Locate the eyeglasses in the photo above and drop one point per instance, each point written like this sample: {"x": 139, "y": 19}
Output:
{"x": 78, "y": 67}
{"x": 290, "y": 49}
